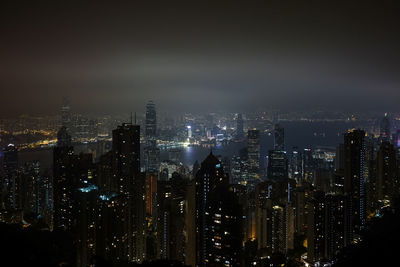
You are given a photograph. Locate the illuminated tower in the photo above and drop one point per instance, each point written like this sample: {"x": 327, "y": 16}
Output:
{"x": 296, "y": 170}
{"x": 113, "y": 226}
{"x": 223, "y": 232}
{"x": 385, "y": 128}
{"x": 10, "y": 182}
{"x": 171, "y": 218}
{"x": 31, "y": 186}
{"x": 131, "y": 187}
{"x": 151, "y": 152}
{"x": 86, "y": 199}
{"x": 66, "y": 119}
{"x": 126, "y": 150}
{"x": 69, "y": 172}
{"x": 208, "y": 178}
{"x": 279, "y": 137}
{"x": 326, "y": 226}
{"x": 387, "y": 172}
{"x": 253, "y": 150}
{"x": 354, "y": 184}
{"x": 189, "y": 131}
{"x": 239, "y": 127}
{"x": 64, "y": 183}
{"x": 277, "y": 165}
{"x": 263, "y": 211}
{"x": 151, "y": 121}
{"x": 308, "y": 165}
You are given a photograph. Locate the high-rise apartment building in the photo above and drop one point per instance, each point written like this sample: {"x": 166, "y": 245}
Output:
{"x": 151, "y": 152}
{"x": 354, "y": 184}
{"x": 253, "y": 158}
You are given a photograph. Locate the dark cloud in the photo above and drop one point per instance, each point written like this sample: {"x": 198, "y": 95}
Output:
{"x": 191, "y": 55}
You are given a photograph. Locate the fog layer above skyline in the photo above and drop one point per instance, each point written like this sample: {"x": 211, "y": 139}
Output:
{"x": 199, "y": 55}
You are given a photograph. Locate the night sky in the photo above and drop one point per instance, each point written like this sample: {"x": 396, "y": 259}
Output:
{"x": 199, "y": 55}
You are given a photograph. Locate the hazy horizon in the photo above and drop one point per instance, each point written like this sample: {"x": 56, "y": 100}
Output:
{"x": 197, "y": 56}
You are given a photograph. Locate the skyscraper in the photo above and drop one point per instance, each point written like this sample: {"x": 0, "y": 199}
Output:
{"x": 151, "y": 193}
{"x": 113, "y": 233}
{"x": 295, "y": 165}
{"x": 253, "y": 151}
{"x": 239, "y": 172}
{"x": 223, "y": 232}
{"x": 151, "y": 121}
{"x": 308, "y": 165}
{"x": 66, "y": 118}
{"x": 278, "y": 229}
{"x": 151, "y": 152}
{"x": 152, "y": 158}
{"x": 87, "y": 217}
{"x": 354, "y": 184}
{"x": 275, "y": 217}
{"x": 126, "y": 150}
{"x": 385, "y": 128}
{"x": 277, "y": 165}
{"x": 64, "y": 183}
{"x": 277, "y": 168}
{"x": 63, "y": 137}
{"x": 131, "y": 187}
{"x": 279, "y": 137}
{"x": 171, "y": 218}
{"x": 11, "y": 182}
{"x": 263, "y": 211}
{"x": 216, "y": 216}
{"x": 239, "y": 127}
{"x": 387, "y": 184}
{"x": 326, "y": 226}
{"x": 69, "y": 173}
{"x": 31, "y": 187}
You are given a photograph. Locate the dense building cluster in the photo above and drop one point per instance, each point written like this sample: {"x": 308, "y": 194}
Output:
{"x": 306, "y": 207}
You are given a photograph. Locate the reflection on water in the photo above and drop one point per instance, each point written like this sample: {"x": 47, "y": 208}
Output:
{"x": 300, "y": 134}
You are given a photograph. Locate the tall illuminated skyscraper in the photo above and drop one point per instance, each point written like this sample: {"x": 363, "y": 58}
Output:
{"x": 151, "y": 152}
{"x": 66, "y": 118}
{"x": 171, "y": 218}
{"x": 69, "y": 172}
{"x": 277, "y": 165}
{"x": 295, "y": 162}
{"x": 308, "y": 165}
{"x": 277, "y": 158}
{"x": 385, "y": 128}
{"x": 207, "y": 178}
{"x": 87, "y": 218}
{"x": 126, "y": 149}
{"x": 151, "y": 121}
{"x": 387, "y": 183}
{"x": 10, "y": 181}
{"x": 217, "y": 217}
{"x": 63, "y": 182}
{"x": 223, "y": 220}
{"x": 131, "y": 185}
{"x": 354, "y": 184}
{"x": 279, "y": 137}
{"x": 253, "y": 150}
{"x": 325, "y": 233}
{"x": 239, "y": 127}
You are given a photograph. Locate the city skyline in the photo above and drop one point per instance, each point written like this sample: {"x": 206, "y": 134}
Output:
{"x": 199, "y": 133}
{"x": 120, "y": 203}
